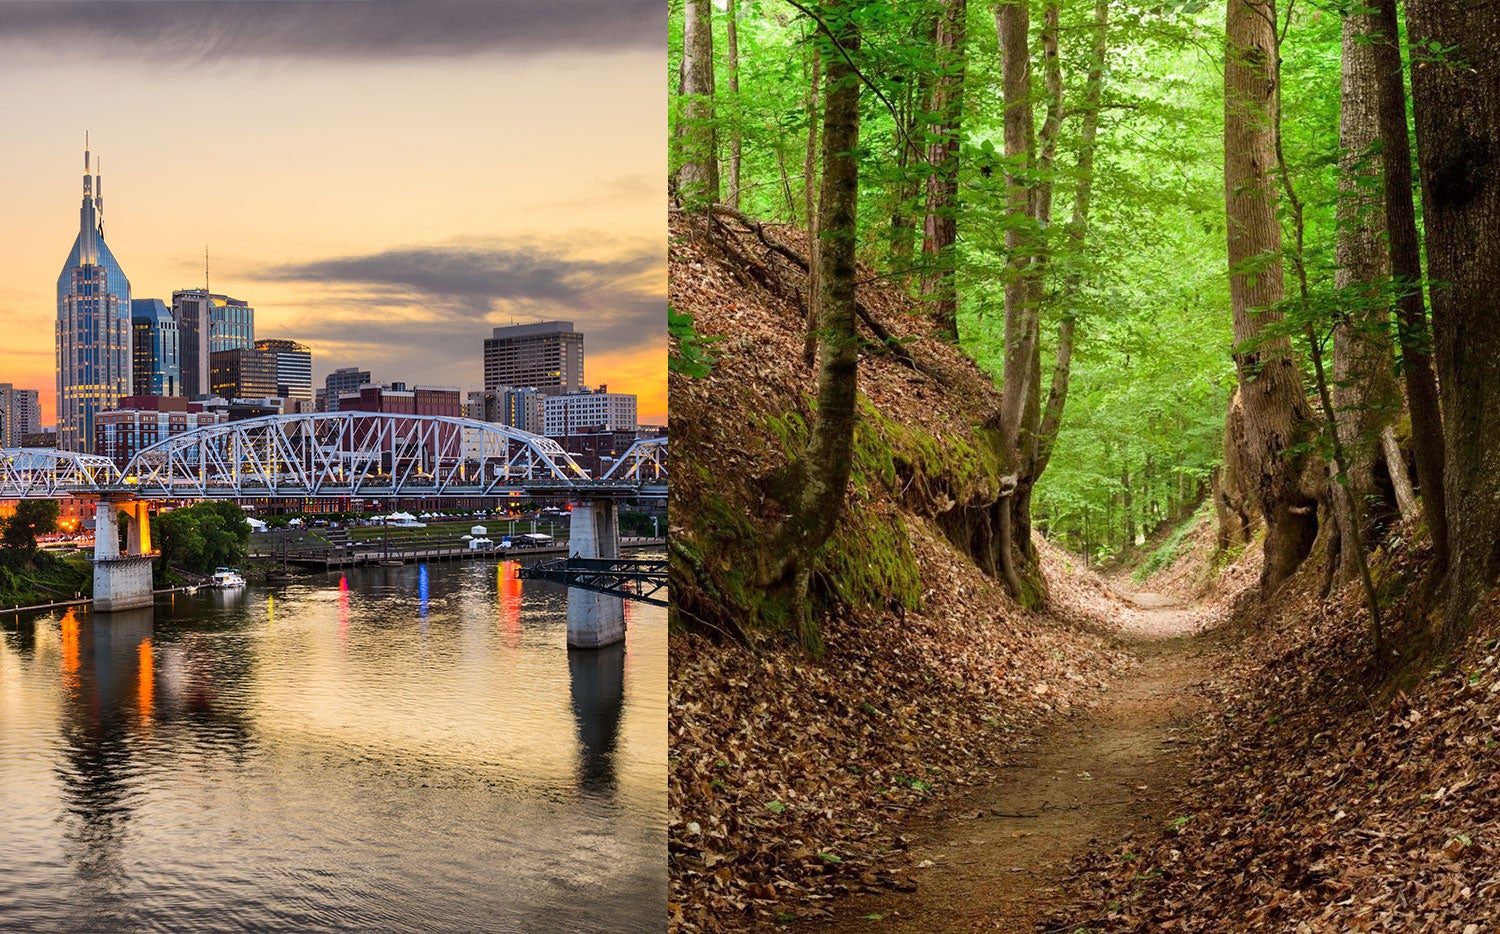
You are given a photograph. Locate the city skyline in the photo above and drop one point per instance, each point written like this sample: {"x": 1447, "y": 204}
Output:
{"x": 353, "y": 197}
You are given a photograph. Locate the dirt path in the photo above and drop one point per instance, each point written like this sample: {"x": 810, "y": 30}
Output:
{"x": 995, "y": 859}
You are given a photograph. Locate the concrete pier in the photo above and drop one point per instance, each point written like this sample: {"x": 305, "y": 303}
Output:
{"x": 595, "y": 620}
{"x": 122, "y": 582}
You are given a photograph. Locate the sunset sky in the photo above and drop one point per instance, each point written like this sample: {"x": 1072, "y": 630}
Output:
{"x": 384, "y": 182}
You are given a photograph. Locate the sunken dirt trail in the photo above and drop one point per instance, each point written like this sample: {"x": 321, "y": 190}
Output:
{"x": 998, "y": 855}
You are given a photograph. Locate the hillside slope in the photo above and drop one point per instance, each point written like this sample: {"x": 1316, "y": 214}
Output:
{"x": 791, "y": 771}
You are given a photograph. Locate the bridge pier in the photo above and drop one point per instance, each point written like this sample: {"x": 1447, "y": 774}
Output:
{"x": 595, "y": 620}
{"x": 122, "y": 582}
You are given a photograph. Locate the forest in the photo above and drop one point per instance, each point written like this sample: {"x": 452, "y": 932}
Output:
{"x": 979, "y": 307}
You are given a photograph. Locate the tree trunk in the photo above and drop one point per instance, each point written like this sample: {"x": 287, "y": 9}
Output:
{"x": 810, "y": 212}
{"x": 1276, "y": 414}
{"x": 732, "y": 65}
{"x": 822, "y": 474}
{"x": 1406, "y": 497}
{"x": 906, "y": 190}
{"x": 1406, "y": 269}
{"x": 1364, "y": 387}
{"x": 1457, "y": 103}
{"x": 1013, "y": 22}
{"x": 945, "y": 110}
{"x": 1057, "y": 395}
{"x": 698, "y": 175}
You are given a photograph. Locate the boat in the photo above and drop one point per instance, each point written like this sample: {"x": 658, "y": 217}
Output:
{"x": 225, "y": 579}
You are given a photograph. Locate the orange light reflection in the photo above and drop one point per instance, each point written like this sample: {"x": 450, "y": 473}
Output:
{"x": 146, "y": 682}
{"x": 70, "y": 649}
{"x": 510, "y": 600}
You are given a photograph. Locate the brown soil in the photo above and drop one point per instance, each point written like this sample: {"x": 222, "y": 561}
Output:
{"x": 996, "y": 858}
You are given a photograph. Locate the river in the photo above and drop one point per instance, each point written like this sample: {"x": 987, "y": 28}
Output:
{"x": 391, "y": 749}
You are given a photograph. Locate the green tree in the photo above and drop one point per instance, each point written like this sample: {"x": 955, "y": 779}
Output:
{"x": 33, "y": 517}
{"x": 203, "y": 536}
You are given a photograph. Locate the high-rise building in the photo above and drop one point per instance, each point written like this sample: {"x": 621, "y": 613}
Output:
{"x": 293, "y": 372}
{"x": 156, "y": 367}
{"x": 243, "y": 374}
{"x": 344, "y": 379}
{"x": 232, "y": 325}
{"x": 546, "y": 356}
{"x": 93, "y": 325}
{"x": 588, "y": 411}
{"x": 207, "y": 322}
{"x": 20, "y": 415}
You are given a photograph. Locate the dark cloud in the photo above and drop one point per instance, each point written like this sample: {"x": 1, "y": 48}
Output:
{"x": 432, "y": 306}
{"x": 216, "y": 32}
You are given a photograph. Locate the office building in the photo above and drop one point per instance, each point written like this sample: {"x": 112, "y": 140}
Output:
{"x": 547, "y": 356}
{"x": 20, "y": 415}
{"x": 243, "y": 374}
{"x": 344, "y": 379}
{"x": 208, "y": 322}
{"x": 587, "y": 411}
{"x": 93, "y": 325}
{"x": 293, "y": 373}
{"x": 156, "y": 364}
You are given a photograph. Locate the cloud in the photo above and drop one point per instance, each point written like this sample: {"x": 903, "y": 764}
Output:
{"x": 431, "y": 306}
{"x": 195, "y": 32}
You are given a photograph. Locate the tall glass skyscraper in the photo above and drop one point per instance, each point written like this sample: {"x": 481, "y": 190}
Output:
{"x": 155, "y": 357}
{"x": 207, "y": 323}
{"x": 93, "y": 325}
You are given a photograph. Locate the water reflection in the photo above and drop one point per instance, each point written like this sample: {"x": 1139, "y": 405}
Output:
{"x": 597, "y": 677}
{"x": 104, "y": 678}
{"x": 367, "y": 751}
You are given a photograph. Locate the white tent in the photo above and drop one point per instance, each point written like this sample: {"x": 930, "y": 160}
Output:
{"x": 255, "y": 524}
{"x": 479, "y": 530}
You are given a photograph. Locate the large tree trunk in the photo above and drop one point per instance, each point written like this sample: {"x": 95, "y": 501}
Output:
{"x": 821, "y": 475}
{"x": 1457, "y": 103}
{"x": 945, "y": 110}
{"x": 1364, "y": 386}
{"x": 1276, "y": 414}
{"x": 1022, "y": 293}
{"x": 1406, "y": 268}
{"x": 698, "y": 175}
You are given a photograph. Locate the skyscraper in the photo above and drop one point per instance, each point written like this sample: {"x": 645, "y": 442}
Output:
{"x": 546, "y": 356}
{"x": 93, "y": 325}
{"x": 207, "y": 322}
{"x": 293, "y": 372}
{"x": 155, "y": 351}
{"x": 243, "y": 374}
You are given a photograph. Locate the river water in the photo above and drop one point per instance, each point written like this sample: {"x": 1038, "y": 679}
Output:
{"x": 391, "y": 749}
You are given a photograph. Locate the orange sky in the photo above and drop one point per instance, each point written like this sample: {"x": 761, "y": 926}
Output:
{"x": 386, "y": 202}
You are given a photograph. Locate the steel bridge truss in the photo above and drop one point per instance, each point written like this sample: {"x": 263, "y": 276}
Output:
{"x": 645, "y": 462}
{"x": 42, "y": 473}
{"x": 350, "y": 454}
{"x": 632, "y": 578}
